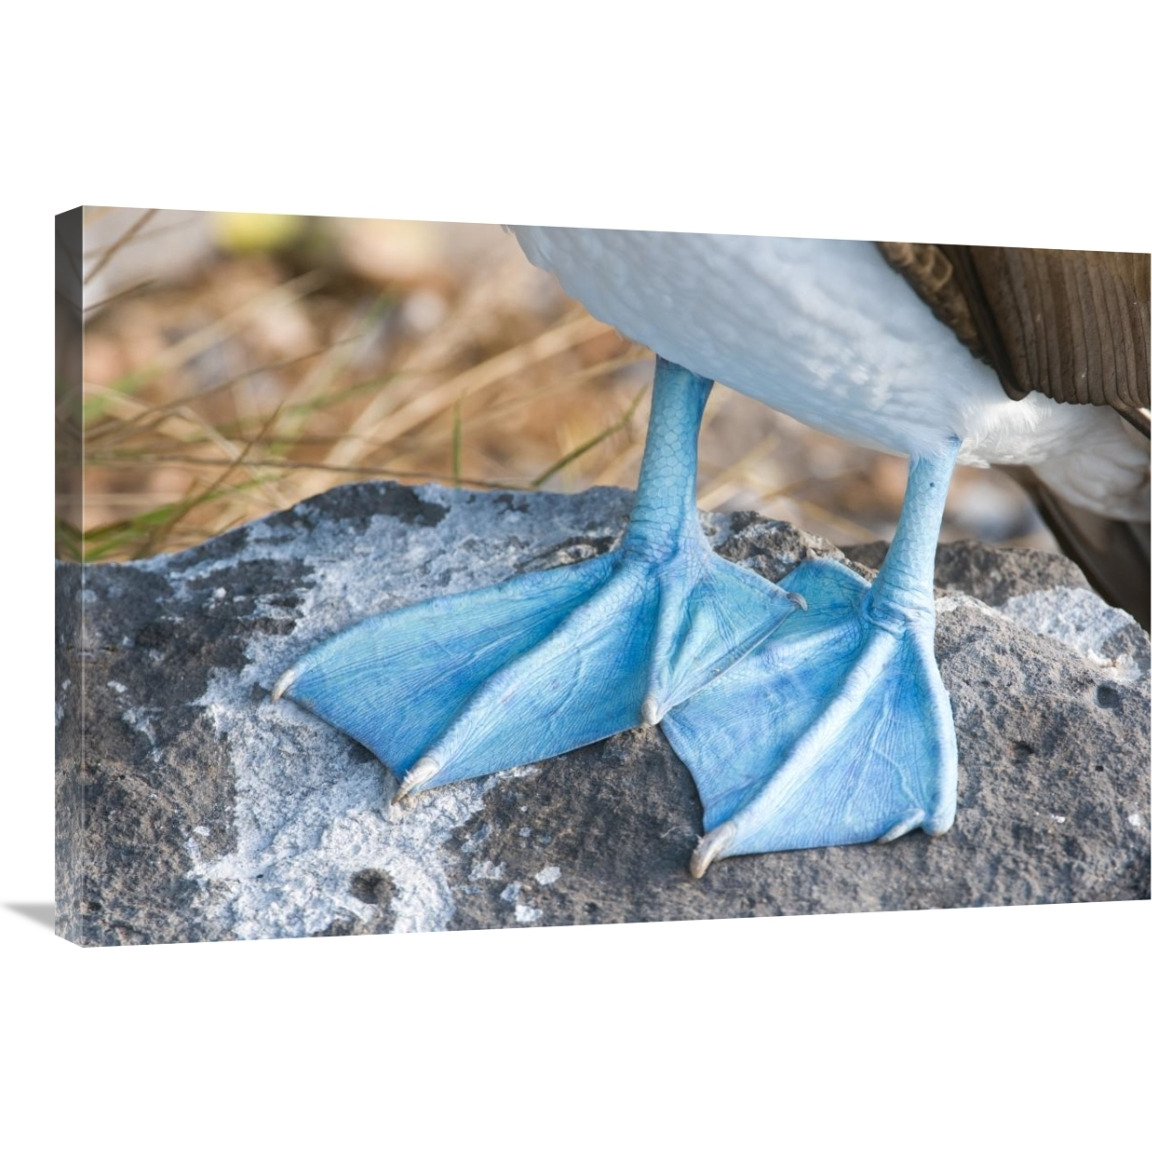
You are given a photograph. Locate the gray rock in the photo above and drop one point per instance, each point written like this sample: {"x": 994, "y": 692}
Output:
{"x": 196, "y": 809}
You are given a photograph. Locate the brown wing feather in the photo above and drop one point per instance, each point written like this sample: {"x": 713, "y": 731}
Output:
{"x": 936, "y": 279}
{"x": 1072, "y": 325}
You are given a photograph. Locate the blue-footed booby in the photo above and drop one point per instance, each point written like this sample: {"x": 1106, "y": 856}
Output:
{"x": 810, "y": 713}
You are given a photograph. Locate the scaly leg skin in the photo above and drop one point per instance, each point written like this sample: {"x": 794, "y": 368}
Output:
{"x": 469, "y": 684}
{"x": 839, "y": 729}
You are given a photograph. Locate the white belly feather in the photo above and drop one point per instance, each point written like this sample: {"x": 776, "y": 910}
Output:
{"x": 827, "y": 332}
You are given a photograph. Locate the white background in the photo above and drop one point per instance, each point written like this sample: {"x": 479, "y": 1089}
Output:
{"x": 1006, "y": 1028}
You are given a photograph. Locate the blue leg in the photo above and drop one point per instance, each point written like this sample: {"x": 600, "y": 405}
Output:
{"x": 838, "y": 730}
{"x": 465, "y": 685}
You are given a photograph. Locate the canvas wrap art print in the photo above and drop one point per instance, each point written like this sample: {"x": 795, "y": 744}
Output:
{"x": 417, "y": 576}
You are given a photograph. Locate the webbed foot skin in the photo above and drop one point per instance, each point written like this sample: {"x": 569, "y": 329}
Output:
{"x": 839, "y": 729}
{"x": 465, "y": 685}
{"x": 474, "y": 683}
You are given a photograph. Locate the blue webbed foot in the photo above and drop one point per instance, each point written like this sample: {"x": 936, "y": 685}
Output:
{"x": 465, "y": 685}
{"x": 469, "y": 684}
{"x": 839, "y": 729}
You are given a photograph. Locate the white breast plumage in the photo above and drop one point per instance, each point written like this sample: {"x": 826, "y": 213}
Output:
{"x": 827, "y": 332}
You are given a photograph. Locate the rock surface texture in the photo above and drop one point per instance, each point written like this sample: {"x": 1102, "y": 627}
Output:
{"x": 194, "y": 808}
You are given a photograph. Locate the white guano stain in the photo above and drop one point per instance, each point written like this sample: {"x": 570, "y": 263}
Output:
{"x": 486, "y": 870}
{"x": 311, "y": 809}
{"x": 1080, "y": 620}
{"x": 140, "y": 720}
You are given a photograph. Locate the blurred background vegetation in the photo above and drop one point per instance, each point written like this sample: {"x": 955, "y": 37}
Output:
{"x": 235, "y": 364}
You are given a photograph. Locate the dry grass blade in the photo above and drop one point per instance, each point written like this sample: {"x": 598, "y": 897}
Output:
{"x": 209, "y": 493}
{"x": 495, "y": 414}
{"x": 148, "y": 416}
{"x": 588, "y": 445}
{"x": 184, "y": 426}
{"x": 438, "y": 398}
{"x": 117, "y": 297}
{"x": 724, "y": 484}
{"x": 494, "y": 417}
{"x": 856, "y": 532}
{"x": 93, "y": 214}
{"x": 136, "y": 460}
{"x": 203, "y": 339}
{"x": 315, "y": 387}
{"x": 457, "y": 438}
{"x": 136, "y": 536}
{"x": 109, "y": 252}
